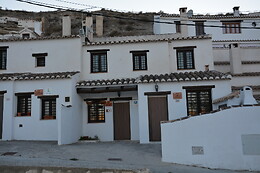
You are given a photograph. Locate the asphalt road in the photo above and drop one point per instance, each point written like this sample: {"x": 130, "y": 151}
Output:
{"x": 102, "y": 155}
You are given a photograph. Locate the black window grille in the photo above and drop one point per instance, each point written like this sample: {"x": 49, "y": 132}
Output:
{"x": 3, "y": 58}
{"x": 96, "y": 112}
{"x": 139, "y": 61}
{"x": 24, "y": 105}
{"x": 98, "y": 62}
{"x": 185, "y": 59}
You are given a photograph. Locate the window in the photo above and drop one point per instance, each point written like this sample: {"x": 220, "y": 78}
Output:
{"x": 178, "y": 26}
{"x": 231, "y": 27}
{"x": 3, "y": 58}
{"x": 185, "y": 58}
{"x": 40, "y": 59}
{"x": 139, "y": 60}
{"x": 49, "y": 107}
{"x": 96, "y": 112}
{"x": 24, "y": 102}
{"x": 199, "y": 28}
{"x": 198, "y": 100}
{"x": 26, "y": 36}
{"x": 98, "y": 60}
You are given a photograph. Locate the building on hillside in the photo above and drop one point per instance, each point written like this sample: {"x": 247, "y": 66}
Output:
{"x": 117, "y": 88}
{"x": 236, "y": 44}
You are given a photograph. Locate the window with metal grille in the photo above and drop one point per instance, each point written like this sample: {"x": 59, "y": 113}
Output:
{"x": 49, "y": 108}
{"x": 96, "y": 112}
{"x": 198, "y": 101}
{"x": 40, "y": 59}
{"x": 178, "y": 26}
{"x": 3, "y": 58}
{"x": 231, "y": 27}
{"x": 98, "y": 62}
{"x": 199, "y": 28}
{"x": 185, "y": 58}
{"x": 24, "y": 103}
{"x": 139, "y": 60}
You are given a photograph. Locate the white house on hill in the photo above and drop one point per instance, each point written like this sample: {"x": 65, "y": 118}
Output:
{"x": 117, "y": 88}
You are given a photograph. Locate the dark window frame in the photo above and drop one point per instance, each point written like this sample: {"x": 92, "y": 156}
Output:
{"x": 199, "y": 27}
{"x": 184, "y": 64}
{"x": 24, "y": 104}
{"x": 195, "y": 96}
{"x": 48, "y": 107}
{"x": 137, "y": 57}
{"x": 178, "y": 26}
{"x": 96, "y": 111}
{"x": 3, "y": 57}
{"x": 228, "y": 27}
{"x": 40, "y": 59}
{"x": 102, "y": 66}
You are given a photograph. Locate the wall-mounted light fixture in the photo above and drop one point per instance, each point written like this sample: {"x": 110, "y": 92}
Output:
{"x": 156, "y": 87}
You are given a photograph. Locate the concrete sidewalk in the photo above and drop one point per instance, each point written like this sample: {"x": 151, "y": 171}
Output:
{"x": 102, "y": 155}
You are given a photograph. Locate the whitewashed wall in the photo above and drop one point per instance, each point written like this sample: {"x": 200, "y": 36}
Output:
{"x": 217, "y": 33}
{"x": 176, "y": 108}
{"x": 222, "y": 136}
{"x": 63, "y": 55}
{"x": 105, "y": 131}
{"x": 33, "y": 128}
{"x": 161, "y": 58}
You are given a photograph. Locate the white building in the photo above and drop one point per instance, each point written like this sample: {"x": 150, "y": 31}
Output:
{"x": 236, "y": 44}
{"x": 115, "y": 88}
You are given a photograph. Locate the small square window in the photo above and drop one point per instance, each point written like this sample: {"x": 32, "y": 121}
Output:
{"x": 40, "y": 61}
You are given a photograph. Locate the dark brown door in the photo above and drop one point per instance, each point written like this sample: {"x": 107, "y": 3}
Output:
{"x": 1, "y": 114}
{"x": 121, "y": 121}
{"x": 158, "y": 111}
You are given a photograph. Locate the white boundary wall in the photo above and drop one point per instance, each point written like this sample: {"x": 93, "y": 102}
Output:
{"x": 230, "y": 140}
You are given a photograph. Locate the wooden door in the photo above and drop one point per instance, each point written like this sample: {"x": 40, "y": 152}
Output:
{"x": 121, "y": 121}
{"x": 1, "y": 114}
{"x": 158, "y": 111}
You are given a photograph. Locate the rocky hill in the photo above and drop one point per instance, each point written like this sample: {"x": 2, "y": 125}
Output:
{"x": 52, "y": 22}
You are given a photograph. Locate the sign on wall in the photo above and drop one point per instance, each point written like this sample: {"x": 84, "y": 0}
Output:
{"x": 38, "y": 92}
{"x": 177, "y": 95}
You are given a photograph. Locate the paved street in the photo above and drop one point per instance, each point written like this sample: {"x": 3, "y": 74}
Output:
{"x": 102, "y": 155}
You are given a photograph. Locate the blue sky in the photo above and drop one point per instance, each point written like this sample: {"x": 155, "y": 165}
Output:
{"x": 168, "y": 6}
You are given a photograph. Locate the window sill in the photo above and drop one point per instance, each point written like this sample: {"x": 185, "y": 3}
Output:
{"x": 98, "y": 72}
{"x": 96, "y": 122}
{"x": 187, "y": 69}
{"x": 49, "y": 118}
{"x": 23, "y": 116}
{"x": 141, "y": 70}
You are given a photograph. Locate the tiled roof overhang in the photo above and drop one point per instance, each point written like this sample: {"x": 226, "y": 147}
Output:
{"x": 39, "y": 38}
{"x": 172, "y": 77}
{"x": 184, "y": 77}
{"x": 36, "y": 76}
{"x": 242, "y": 16}
{"x": 141, "y": 40}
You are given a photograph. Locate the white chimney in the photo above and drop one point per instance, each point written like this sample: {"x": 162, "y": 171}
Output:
{"x": 246, "y": 94}
{"x": 184, "y": 21}
{"x": 235, "y": 58}
{"x": 99, "y": 26}
{"x": 236, "y": 11}
{"x": 66, "y": 25}
{"x": 89, "y": 28}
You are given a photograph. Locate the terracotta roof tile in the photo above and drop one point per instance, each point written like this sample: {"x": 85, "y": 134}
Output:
{"x": 184, "y": 76}
{"x": 106, "y": 82}
{"x": 39, "y": 38}
{"x": 36, "y": 76}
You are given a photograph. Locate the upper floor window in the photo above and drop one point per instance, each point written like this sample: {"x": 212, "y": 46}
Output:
{"x": 139, "y": 60}
{"x": 26, "y": 36}
{"x": 96, "y": 112}
{"x": 24, "y": 102}
{"x": 185, "y": 57}
{"x": 198, "y": 99}
{"x": 40, "y": 59}
{"x": 199, "y": 28}
{"x": 231, "y": 27}
{"x": 3, "y": 57}
{"x": 98, "y": 60}
{"x": 178, "y": 26}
